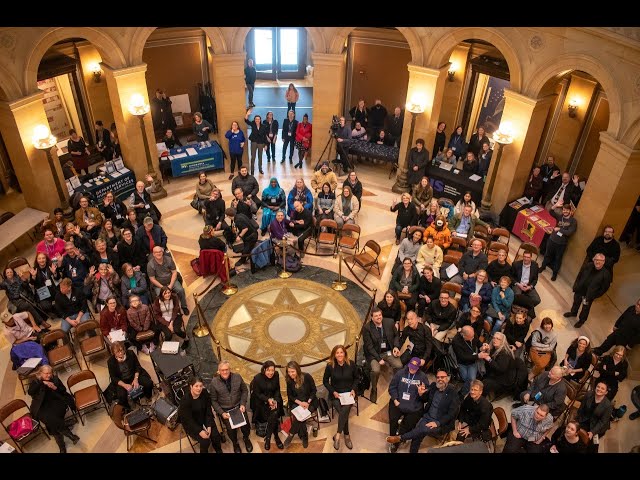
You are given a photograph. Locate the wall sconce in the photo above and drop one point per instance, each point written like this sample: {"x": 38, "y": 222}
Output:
{"x": 97, "y": 72}
{"x": 573, "y": 107}
{"x": 452, "y": 70}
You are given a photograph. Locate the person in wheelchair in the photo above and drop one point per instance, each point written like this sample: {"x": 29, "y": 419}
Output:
{"x": 267, "y": 403}
{"x": 127, "y": 375}
{"x": 301, "y": 392}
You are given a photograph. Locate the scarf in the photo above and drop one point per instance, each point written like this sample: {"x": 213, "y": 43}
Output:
{"x": 272, "y": 191}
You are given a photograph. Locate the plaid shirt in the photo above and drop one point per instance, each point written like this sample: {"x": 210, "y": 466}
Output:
{"x": 527, "y": 426}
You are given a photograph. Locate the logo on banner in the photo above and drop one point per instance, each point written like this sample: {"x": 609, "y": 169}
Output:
{"x": 529, "y": 230}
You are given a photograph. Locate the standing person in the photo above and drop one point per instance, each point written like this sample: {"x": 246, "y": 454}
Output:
{"x": 289, "y": 127}
{"x": 631, "y": 232}
{"x": 394, "y": 125}
{"x": 201, "y": 128}
{"x": 440, "y": 140}
{"x": 607, "y": 246}
{"x": 196, "y": 416}
{"x": 626, "y": 330}
{"x": 161, "y": 113}
{"x": 457, "y": 143}
{"x": 103, "y": 141}
{"x": 359, "y": 114}
{"x": 377, "y": 116}
{"x": 236, "y": 146}
{"x": 557, "y": 243}
{"x": 340, "y": 377}
{"x": 418, "y": 159}
{"x": 79, "y": 152}
{"x": 250, "y": 79}
{"x": 291, "y": 96}
{"x": 303, "y": 139}
{"x": 266, "y": 402}
{"x": 272, "y": 136}
{"x": 301, "y": 392}
{"x": 476, "y": 141}
{"x": 258, "y": 139}
{"x": 592, "y": 282}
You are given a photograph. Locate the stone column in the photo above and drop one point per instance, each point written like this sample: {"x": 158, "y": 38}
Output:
{"x": 17, "y": 121}
{"x": 328, "y": 100}
{"x": 227, "y": 75}
{"x": 527, "y": 116}
{"x": 122, "y": 84}
{"x": 608, "y": 199}
{"x": 424, "y": 82}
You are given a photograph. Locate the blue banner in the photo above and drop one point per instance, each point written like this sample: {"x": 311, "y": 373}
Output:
{"x": 206, "y": 158}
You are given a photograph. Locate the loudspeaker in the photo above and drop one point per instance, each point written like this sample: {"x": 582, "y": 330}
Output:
{"x": 166, "y": 412}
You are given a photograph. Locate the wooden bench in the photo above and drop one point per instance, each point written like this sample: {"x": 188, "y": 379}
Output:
{"x": 27, "y": 221}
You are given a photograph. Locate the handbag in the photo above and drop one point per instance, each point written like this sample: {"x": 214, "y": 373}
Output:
{"x": 285, "y": 426}
{"x": 261, "y": 429}
{"x": 195, "y": 204}
{"x": 195, "y": 265}
{"x": 21, "y": 427}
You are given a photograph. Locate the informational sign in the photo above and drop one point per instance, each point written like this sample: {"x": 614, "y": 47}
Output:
{"x": 54, "y": 108}
{"x": 208, "y": 158}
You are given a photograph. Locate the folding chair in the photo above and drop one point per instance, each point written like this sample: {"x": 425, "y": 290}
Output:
{"x": 90, "y": 345}
{"x": 481, "y": 232}
{"x": 141, "y": 430}
{"x": 330, "y": 237}
{"x": 457, "y": 248}
{"x": 495, "y": 248}
{"x": 60, "y": 354}
{"x": 351, "y": 242}
{"x": 499, "y": 233}
{"x": 368, "y": 258}
{"x": 503, "y": 424}
{"x": 8, "y": 411}
{"x": 89, "y": 397}
{"x": 527, "y": 247}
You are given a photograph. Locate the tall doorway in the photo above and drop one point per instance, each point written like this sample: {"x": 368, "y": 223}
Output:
{"x": 278, "y": 52}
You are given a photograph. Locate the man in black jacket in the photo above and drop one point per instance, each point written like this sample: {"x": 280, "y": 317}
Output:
{"x": 394, "y": 126}
{"x": 300, "y": 223}
{"x": 440, "y": 316}
{"x": 381, "y": 347}
{"x": 428, "y": 289}
{"x": 606, "y": 245}
{"x": 250, "y": 75}
{"x": 626, "y": 330}
{"x": 418, "y": 338}
{"x": 524, "y": 275}
{"x": 242, "y": 228}
{"x": 592, "y": 282}
{"x": 71, "y": 305}
{"x": 289, "y": 135}
{"x": 377, "y": 116}
{"x": 557, "y": 243}
{"x": 475, "y": 415}
{"x": 466, "y": 347}
{"x": 130, "y": 251}
{"x": 441, "y": 409}
{"x": 561, "y": 191}
{"x": 229, "y": 391}
{"x": 249, "y": 186}
{"x": 548, "y": 388}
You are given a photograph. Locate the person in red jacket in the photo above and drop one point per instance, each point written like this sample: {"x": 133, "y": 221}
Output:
{"x": 303, "y": 140}
{"x": 113, "y": 317}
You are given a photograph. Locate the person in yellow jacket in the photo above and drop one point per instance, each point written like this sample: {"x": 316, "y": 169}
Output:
{"x": 325, "y": 174}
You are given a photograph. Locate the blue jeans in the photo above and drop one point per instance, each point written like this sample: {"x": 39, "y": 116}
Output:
{"x": 497, "y": 324}
{"x": 66, "y": 326}
{"x": 419, "y": 432}
{"x": 468, "y": 373}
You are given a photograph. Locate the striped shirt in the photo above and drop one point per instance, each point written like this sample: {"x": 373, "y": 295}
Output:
{"x": 530, "y": 429}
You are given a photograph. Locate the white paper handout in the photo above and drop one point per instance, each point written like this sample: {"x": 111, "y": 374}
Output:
{"x": 446, "y": 166}
{"x": 301, "y": 413}
{"x": 116, "y": 336}
{"x": 29, "y": 365}
{"x": 69, "y": 187}
{"x": 162, "y": 147}
{"x": 475, "y": 177}
{"x": 451, "y": 270}
{"x": 346, "y": 398}
{"x": 523, "y": 201}
{"x": 75, "y": 182}
{"x": 119, "y": 163}
{"x": 116, "y": 174}
{"x": 180, "y": 155}
{"x": 191, "y": 151}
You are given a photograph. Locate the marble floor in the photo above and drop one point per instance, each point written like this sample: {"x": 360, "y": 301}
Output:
{"x": 369, "y": 428}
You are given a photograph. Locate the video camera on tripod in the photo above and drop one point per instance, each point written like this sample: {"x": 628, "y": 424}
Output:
{"x": 335, "y": 126}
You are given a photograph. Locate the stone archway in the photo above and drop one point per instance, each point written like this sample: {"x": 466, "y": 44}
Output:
{"x": 109, "y": 50}
{"x": 417, "y": 56}
{"x": 442, "y": 49}
{"x": 318, "y": 44}
{"x": 9, "y": 87}
{"x": 588, "y": 64}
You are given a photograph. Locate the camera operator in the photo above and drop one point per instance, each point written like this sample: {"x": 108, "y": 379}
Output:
{"x": 341, "y": 134}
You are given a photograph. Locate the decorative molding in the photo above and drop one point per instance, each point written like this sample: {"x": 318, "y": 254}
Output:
{"x": 26, "y": 101}
{"x": 120, "y": 72}
{"x": 536, "y": 43}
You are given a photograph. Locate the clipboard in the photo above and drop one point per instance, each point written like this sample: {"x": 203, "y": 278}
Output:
{"x": 406, "y": 345}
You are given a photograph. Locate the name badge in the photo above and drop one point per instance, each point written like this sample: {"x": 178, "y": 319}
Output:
{"x": 147, "y": 206}
{"x": 388, "y": 353}
{"x": 383, "y": 345}
{"x": 73, "y": 272}
{"x": 406, "y": 396}
{"x": 118, "y": 216}
{"x": 47, "y": 282}
{"x": 289, "y": 133}
{"x": 559, "y": 234}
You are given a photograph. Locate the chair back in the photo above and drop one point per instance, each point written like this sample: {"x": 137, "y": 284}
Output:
{"x": 414, "y": 229}
{"x": 495, "y": 247}
{"x": 528, "y": 247}
{"x": 6, "y": 216}
{"x": 459, "y": 243}
{"x": 583, "y": 436}
{"x": 17, "y": 262}
{"x": 85, "y": 327}
{"x": 501, "y": 416}
{"x": 451, "y": 259}
{"x": 373, "y": 245}
{"x": 451, "y": 287}
{"x": 329, "y": 224}
{"x": 499, "y": 233}
{"x": 52, "y": 337}
{"x": 481, "y": 240}
{"x": 351, "y": 227}
{"x": 80, "y": 377}
{"x": 480, "y": 231}
{"x": 12, "y": 407}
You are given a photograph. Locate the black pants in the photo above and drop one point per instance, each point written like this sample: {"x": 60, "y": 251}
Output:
{"x": 273, "y": 418}
{"x": 635, "y": 396}
{"x": 409, "y": 420}
{"x": 233, "y": 433}
{"x": 288, "y": 141}
{"x": 343, "y": 415}
{"x": 123, "y": 396}
{"x": 250, "y": 87}
{"x": 553, "y": 256}
{"x": 302, "y": 237}
{"x": 24, "y": 306}
{"x": 214, "y": 439}
{"x": 584, "y": 312}
{"x": 344, "y": 156}
{"x": 515, "y": 445}
{"x": 613, "y": 339}
{"x": 178, "y": 329}
{"x": 300, "y": 428}
{"x": 291, "y": 106}
{"x": 271, "y": 151}
{"x": 236, "y": 158}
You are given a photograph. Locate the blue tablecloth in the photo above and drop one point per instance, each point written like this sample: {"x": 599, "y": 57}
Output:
{"x": 206, "y": 158}
{"x": 121, "y": 185}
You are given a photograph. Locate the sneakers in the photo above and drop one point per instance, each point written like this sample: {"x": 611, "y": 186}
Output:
{"x": 145, "y": 349}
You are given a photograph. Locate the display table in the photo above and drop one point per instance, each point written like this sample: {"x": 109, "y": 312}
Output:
{"x": 372, "y": 150}
{"x": 121, "y": 183}
{"x": 533, "y": 225}
{"x": 194, "y": 158}
{"x": 26, "y": 221}
{"x": 510, "y": 212}
{"x": 448, "y": 184}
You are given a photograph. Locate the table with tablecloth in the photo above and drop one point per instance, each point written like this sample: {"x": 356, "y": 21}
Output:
{"x": 448, "y": 184}
{"x": 534, "y": 225}
{"x": 121, "y": 183}
{"x": 510, "y": 212}
{"x": 194, "y": 158}
{"x": 372, "y": 150}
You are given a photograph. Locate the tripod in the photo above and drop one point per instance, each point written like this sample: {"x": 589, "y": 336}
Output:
{"x": 331, "y": 140}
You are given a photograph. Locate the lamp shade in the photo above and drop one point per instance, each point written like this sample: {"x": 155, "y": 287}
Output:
{"x": 137, "y": 105}
{"x": 42, "y": 138}
{"x": 417, "y": 103}
{"x": 504, "y": 135}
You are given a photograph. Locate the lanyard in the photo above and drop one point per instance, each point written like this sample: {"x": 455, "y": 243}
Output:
{"x": 410, "y": 382}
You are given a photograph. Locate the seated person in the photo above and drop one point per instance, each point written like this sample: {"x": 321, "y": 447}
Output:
{"x": 266, "y": 402}
{"x": 475, "y": 414}
{"x": 530, "y": 425}
{"x": 441, "y": 409}
{"x": 214, "y": 210}
{"x": 103, "y": 284}
{"x": 498, "y": 268}
{"x": 499, "y": 364}
{"x": 381, "y": 139}
{"x": 390, "y": 306}
{"x": 81, "y": 240}
{"x": 75, "y": 265}
{"x": 501, "y": 301}
{"x": 346, "y": 207}
{"x": 405, "y": 282}
{"x": 44, "y": 276}
{"x": 431, "y": 255}
{"x": 110, "y": 234}
{"x": 113, "y": 317}
{"x": 429, "y": 287}
{"x": 113, "y": 209}
{"x": 300, "y": 193}
{"x": 447, "y": 156}
{"x": 566, "y": 439}
{"x": 548, "y": 388}
{"x": 130, "y": 251}
{"x": 88, "y": 218}
{"x": 300, "y": 223}
{"x": 133, "y": 282}
{"x": 341, "y": 377}
{"x": 243, "y": 229}
{"x": 132, "y": 222}
{"x": 473, "y": 318}
{"x": 196, "y": 416}
{"x": 53, "y": 246}
{"x": 301, "y": 392}
{"x": 242, "y": 205}
{"x": 166, "y": 312}
{"x": 57, "y": 225}
{"x": 594, "y": 415}
{"x": 463, "y": 224}
{"x": 71, "y": 305}
{"x": 162, "y": 273}
{"x": 525, "y": 277}
{"x": 204, "y": 187}
{"x": 543, "y": 341}
{"x": 126, "y": 373}
{"x": 322, "y": 176}
{"x": 431, "y": 215}
{"x": 422, "y": 195}
{"x": 150, "y": 236}
{"x": 471, "y": 262}
{"x": 466, "y": 201}
{"x": 20, "y": 327}
{"x": 407, "y": 214}
{"x": 249, "y": 186}
{"x": 355, "y": 184}
{"x": 577, "y": 360}
{"x": 19, "y": 293}
{"x": 476, "y": 287}
{"x": 208, "y": 241}
{"x": 613, "y": 369}
{"x": 439, "y": 230}
{"x": 381, "y": 347}
{"x": 359, "y": 133}
{"x": 103, "y": 255}
{"x": 273, "y": 199}
{"x": 418, "y": 339}
{"x": 229, "y": 391}
{"x": 325, "y": 202}
{"x": 278, "y": 230}
{"x": 534, "y": 186}
{"x": 466, "y": 348}
{"x": 440, "y": 316}
{"x": 140, "y": 320}
{"x": 516, "y": 332}
{"x": 407, "y": 396}
{"x": 170, "y": 140}
{"x": 409, "y": 248}
{"x": 470, "y": 164}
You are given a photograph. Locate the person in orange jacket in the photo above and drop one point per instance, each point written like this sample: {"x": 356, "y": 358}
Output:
{"x": 440, "y": 232}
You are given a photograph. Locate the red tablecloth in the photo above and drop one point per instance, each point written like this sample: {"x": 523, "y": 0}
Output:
{"x": 532, "y": 226}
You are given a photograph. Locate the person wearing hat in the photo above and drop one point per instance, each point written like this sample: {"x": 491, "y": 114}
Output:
{"x": 407, "y": 391}
{"x": 208, "y": 241}
{"x": 21, "y": 327}
{"x": 324, "y": 174}
{"x": 577, "y": 359}
{"x": 152, "y": 235}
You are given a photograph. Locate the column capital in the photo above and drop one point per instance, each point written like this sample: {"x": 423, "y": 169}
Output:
{"x": 327, "y": 59}
{"x": 227, "y": 58}
{"x": 518, "y": 97}
{"x": 423, "y": 71}
{"x": 121, "y": 72}
{"x": 617, "y": 148}
{"x": 25, "y": 101}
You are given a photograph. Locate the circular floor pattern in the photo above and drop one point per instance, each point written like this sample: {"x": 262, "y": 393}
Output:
{"x": 283, "y": 320}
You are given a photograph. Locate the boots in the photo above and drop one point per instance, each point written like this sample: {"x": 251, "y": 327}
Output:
{"x": 60, "y": 441}
{"x": 69, "y": 434}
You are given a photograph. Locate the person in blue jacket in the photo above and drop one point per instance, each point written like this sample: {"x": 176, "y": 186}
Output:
{"x": 299, "y": 192}
{"x": 236, "y": 146}
{"x": 501, "y": 300}
{"x": 457, "y": 143}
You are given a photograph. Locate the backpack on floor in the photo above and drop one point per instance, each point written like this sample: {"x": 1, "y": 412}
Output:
{"x": 293, "y": 263}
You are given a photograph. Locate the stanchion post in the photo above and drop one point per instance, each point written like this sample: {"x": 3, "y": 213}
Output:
{"x": 339, "y": 285}
{"x": 284, "y": 273}
{"x": 229, "y": 288}
{"x": 200, "y": 330}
